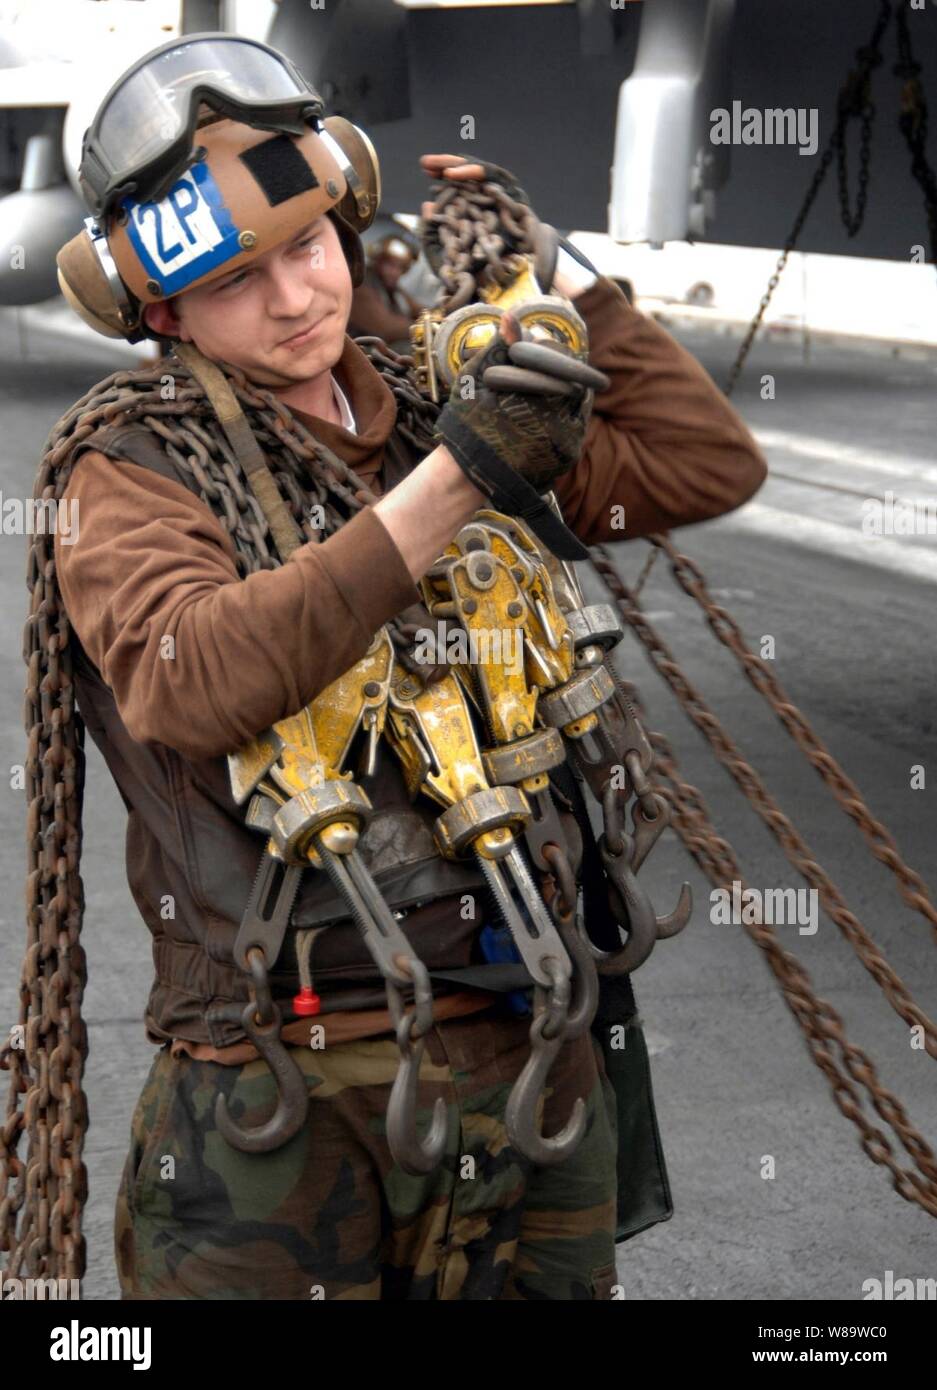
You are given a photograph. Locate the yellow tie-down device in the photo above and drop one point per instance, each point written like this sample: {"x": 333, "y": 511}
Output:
{"x": 295, "y": 769}
{"x": 313, "y": 813}
{"x": 442, "y": 345}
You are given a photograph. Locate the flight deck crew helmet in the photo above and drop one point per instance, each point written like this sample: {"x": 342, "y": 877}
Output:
{"x": 395, "y": 247}
{"x": 207, "y": 152}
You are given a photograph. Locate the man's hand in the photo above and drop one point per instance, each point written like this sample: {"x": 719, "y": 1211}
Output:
{"x": 522, "y": 425}
{"x": 458, "y": 169}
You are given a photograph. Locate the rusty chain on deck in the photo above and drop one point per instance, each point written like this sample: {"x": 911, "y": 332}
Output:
{"x": 823, "y": 1028}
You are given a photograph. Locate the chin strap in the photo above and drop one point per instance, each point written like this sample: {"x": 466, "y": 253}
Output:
{"x": 283, "y": 528}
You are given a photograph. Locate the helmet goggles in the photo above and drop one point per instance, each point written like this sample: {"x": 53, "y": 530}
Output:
{"x": 141, "y": 138}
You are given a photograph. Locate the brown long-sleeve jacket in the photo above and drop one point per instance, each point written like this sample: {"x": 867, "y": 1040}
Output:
{"x": 152, "y": 560}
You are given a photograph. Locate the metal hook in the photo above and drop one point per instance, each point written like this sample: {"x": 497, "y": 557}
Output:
{"x": 647, "y": 831}
{"x": 412, "y": 1154}
{"x": 292, "y": 1097}
{"x": 640, "y": 912}
{"x": 584, "y": 974}
{"x": 569, "y": 925}
{"x": 521, "y": 1109}
{"x": 394, "y": 957}
{"x": 675, "y": 921}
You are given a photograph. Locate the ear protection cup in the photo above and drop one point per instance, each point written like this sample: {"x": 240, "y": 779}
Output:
{"x": 85, "y": 286}
{"x": 359, "y": 163}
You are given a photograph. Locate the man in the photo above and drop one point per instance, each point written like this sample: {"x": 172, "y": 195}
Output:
{"x": 182, "y": 660}
{"x": 380, "y": 306}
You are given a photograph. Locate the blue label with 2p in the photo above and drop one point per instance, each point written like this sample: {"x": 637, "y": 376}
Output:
{"x": 186, "y": 234}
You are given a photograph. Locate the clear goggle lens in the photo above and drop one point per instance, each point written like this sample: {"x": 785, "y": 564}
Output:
{"x": 151, "y": 109}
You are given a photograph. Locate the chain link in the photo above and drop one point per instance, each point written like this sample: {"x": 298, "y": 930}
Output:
{"x": 912, "y": 122}
{"x": 482, "y": 232}
{"x": 822, "y": 1026}
{"x": 854, "y": 102}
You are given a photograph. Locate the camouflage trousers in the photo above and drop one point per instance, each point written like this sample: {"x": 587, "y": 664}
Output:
{"x": 330, "y": 1215}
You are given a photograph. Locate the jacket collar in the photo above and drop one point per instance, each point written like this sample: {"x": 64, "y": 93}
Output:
{"x": 374, "y": 408}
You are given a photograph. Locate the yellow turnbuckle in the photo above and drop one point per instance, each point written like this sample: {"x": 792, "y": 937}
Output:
{"x": 442, "y": 345}
{"x": 431, "y": 730}
{"x": 296, "y": 764}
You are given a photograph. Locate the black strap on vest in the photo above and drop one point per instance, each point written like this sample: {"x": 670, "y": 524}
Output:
{"x": 141, "y": 446}
{"x": 601, "y": 926}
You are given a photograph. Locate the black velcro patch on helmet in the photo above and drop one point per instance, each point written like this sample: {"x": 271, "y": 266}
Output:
{"x": 280, "y": 169}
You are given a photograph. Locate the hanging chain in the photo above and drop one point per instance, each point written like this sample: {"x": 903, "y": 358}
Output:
{"x": 822, "y": 1025}
{"x": 820, "y": 1022}
{"x": 912, "y": 887}
{"x": 854, "y": 102}
{"x": 912, "y": 122}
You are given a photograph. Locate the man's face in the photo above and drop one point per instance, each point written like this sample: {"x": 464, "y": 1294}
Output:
{"x": 246, "y": 318}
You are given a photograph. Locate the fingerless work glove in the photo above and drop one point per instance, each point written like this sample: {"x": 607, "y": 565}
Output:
{"x": 545, "y": 239}
{"x": 515, "y": 421}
